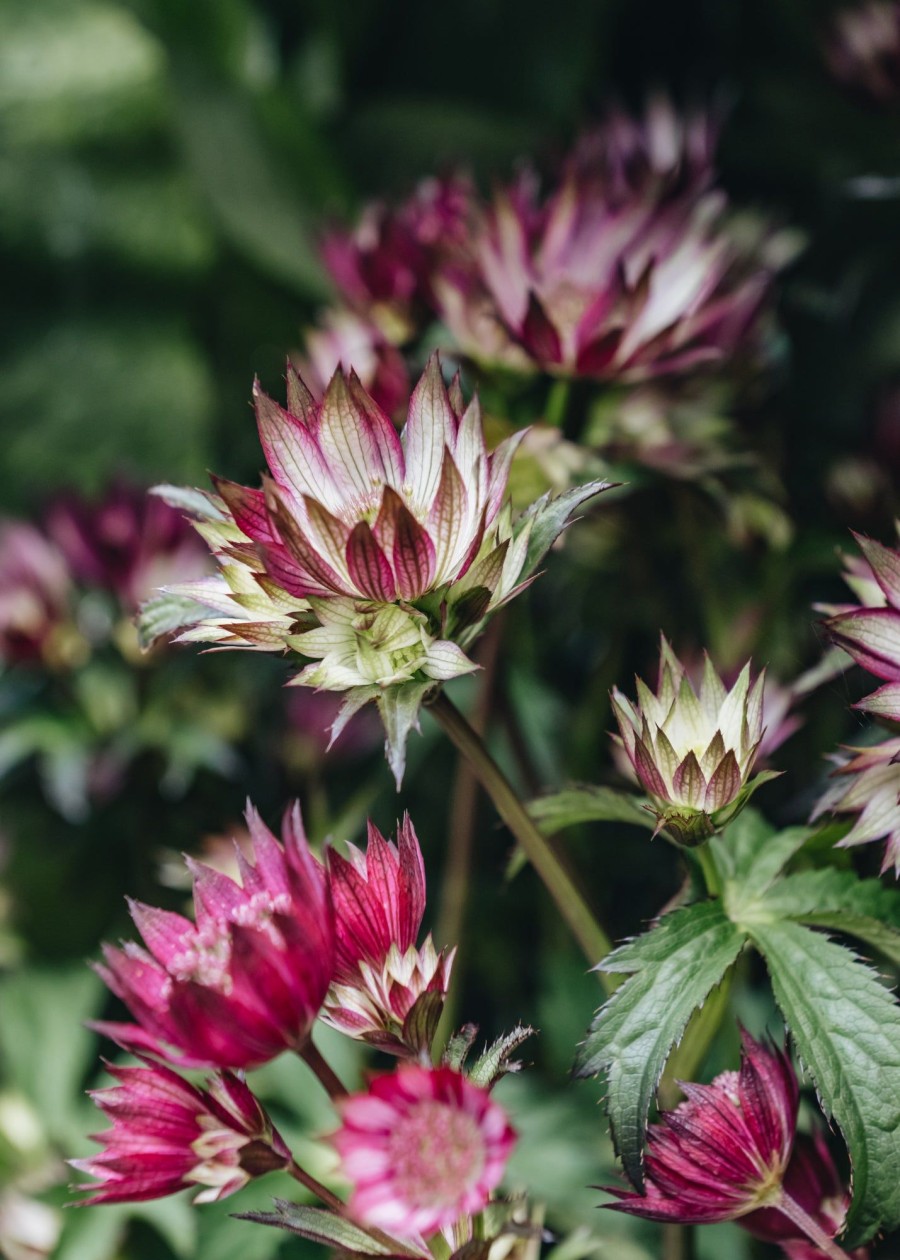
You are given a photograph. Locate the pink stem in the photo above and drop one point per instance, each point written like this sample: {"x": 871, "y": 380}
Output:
{"x": 812, "y": 1229}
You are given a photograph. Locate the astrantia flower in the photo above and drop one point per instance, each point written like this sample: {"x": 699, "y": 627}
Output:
{"x": 248, "y": 978}
{"x": 375, "y": 554}
{"x": 35, "y": 595}
{"x": 128, "y": 543}
{"x": 867, "y": 783}
{"x": 590, "y": 282}
{"x": 423, "y": 1147}
{"x": 722, "y": 1153}
{"x": 386, "y": 990}
{"x": 692, "y": 751}
{"x": 167, "y": 1135}
{"x": 863, "y": 49}
{"x": 870, "y": 631}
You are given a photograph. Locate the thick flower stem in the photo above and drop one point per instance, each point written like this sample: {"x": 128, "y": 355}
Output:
{"x": 570, "y": 903}
{"x": 814, "y": 1232}
{"x": 328, "y": 1078}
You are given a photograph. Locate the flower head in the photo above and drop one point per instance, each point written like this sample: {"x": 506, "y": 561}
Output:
{"x": 386, "y": 990}
{"x": 128, "y": 543}
{"x": 867, "y": 783}
{"x": 167, "y": 1134}
{"x": 870, "y": 630}
{"x": 422, "y": 1147}
{"x": 609, "y": 275}
{"x": 247, "y": 979}
{"x": 863, "y": 50}
{"x": 692, "y": 750}
{"x": 35, "y": 596}
{"x": 723, "y": 1152}
{"x": 345, "y": 340}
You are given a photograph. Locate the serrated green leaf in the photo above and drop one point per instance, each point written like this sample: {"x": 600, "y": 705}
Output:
{"x": 673, "y": 968}
{"x": 320, "y": 1225}
{"x": 494, "y": 1063}
{"x": 751, "y": 853}
{"x": 549, "y": 516}
{"x": 588, "y": 804}
{"x": 846, "y": 1027}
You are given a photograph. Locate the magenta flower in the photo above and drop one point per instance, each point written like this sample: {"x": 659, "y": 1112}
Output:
{"x": 423, "y": 1147}
{"x": 244, "y": 982}
{"x": 863, "y": 50}
{"x": 128, "y": 543}
{"x": 870, "y": 631}
{"x": 167, "y": 1135}
{"x": 722, "y": 1153}
{"x": 600, "y": 280}
{"x": 382, "y": 268}
{"x": 35, "y": 598}
{"x": 386, "y": 991}
{"x": 867, "y": 783}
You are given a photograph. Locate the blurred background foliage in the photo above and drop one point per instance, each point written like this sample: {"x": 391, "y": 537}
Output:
{"x": 165, "y": 172}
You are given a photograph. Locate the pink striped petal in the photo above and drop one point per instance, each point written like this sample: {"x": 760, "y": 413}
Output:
{"x": 368, "y": 567}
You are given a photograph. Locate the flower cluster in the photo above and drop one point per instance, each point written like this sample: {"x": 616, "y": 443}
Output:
{"x": 863, "y": 50}
{"x": 692, "y": 750}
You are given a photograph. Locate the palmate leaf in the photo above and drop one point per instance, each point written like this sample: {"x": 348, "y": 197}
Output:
{"x": 751, "y": 854}
{"x": 673, "y": 968}
{"x": 588, "y": 804}
{"x": 846, "y": 1027}
{"x": 838, "y": 900}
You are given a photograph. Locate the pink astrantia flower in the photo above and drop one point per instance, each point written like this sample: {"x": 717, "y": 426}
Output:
{"x": 863, "y": 50}
{"x": 386, "y": 991}
{"x": 167, "y": 1135}
{"x": 344, "y": 340}
{"x": 35, "y": 596}
{"x": 867, "y": 783}
{"x": 692, "y": 750}
{"x": 722, "y": 1153}
{"x": 247, "y": 979}
{"x": 601, "y": 279}
{"x": 870, "y": 630}
{"x": 128, "y": 543}
{"x": 423, "y": 1147}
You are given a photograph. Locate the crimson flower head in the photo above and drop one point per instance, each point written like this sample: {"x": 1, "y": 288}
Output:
{"x": 386, "y": 991}
{"x": 167, "y": 1134}
{"x": 723, "y": 1152}
{"x": 246, "y": 980}
{"x": 423, "y": 1147}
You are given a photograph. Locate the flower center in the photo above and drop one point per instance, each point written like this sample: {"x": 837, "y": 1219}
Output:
{"x": 436, "y": 1153}
{"x": 205, "y": 961}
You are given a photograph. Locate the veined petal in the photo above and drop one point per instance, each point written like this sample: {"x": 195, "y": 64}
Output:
{"x": 368, "y": 566}
{"x": 430, "y": 428}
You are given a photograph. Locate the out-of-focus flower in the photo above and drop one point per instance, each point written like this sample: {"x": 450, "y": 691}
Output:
{"x": 870, "y": 631}
{"x": 423, "y": 1147}
{"x": 29, "y": 1229}
{"x": 244, "y": 982}
{"x": 344, "y": 341}
{"x": 128, "y": 543}
{"x": 589, "y": 282}
{"x": 35, "y": 599}
{"x": 692, "y": 750}
{"x": 723, "y": 1152}
{"x": 382, "y": 267}
{"x": 385, "y": 990}
{"x": 310, "y": 714}
{"x": 813, "y": 1182}
{"x": 863, "y": 50}
{"x": 867, "y": 783}
{"x": 376, "y": 555}
{"x": 167, "y": 1134}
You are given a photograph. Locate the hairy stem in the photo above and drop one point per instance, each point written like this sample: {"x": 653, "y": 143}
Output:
{"x": 329, "y": 1079}
{"x": 569, "y": 901}
{"x": 812, "y": 1229}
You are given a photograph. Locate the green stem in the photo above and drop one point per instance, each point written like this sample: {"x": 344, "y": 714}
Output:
{"x": 557, "y": 402}
{"x": 569, "y": 901}
{"x": 707, "y": 865}
{"x": 329, "y": 1079}
{"x": 677, "y": 1242}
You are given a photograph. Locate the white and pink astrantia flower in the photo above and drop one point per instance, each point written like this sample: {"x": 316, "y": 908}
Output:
{"x": 692, "y": 749}
{"x": 168, "y": 1134}
{"x": 422, "y": 1147}
{"x": 867, "y": 783}
{"x": 870, "y": 630}
{"x": 386, "y": 990}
